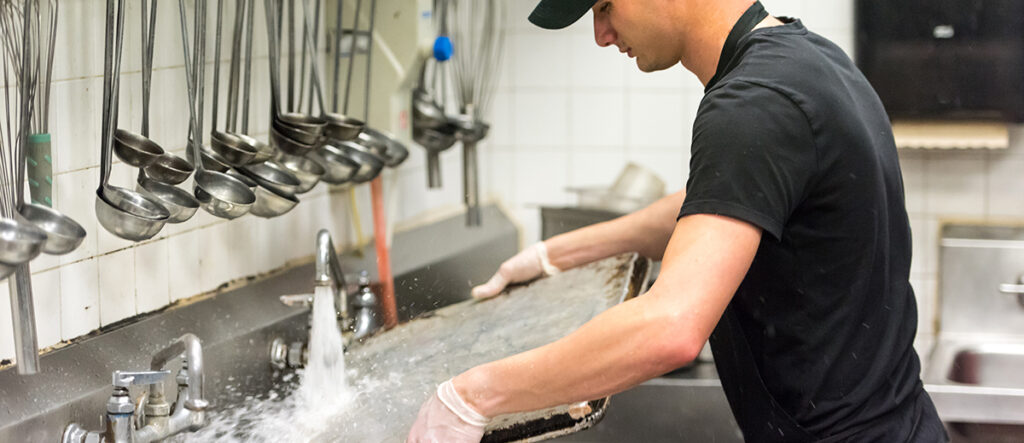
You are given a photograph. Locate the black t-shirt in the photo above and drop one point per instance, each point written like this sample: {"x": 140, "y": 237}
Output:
{"x": 791, "y": 138}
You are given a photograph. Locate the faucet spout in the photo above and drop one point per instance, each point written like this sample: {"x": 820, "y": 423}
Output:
{"x": 192, "y": 348}
{"x": 328, "y": 272}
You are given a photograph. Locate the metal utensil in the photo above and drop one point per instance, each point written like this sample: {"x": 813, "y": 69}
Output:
{"x": 270, "y": 174}
{"x": 339, "y": 167}
{"x": 305, "y": 169}
{"x": 272, "y": 203}
{"x": 338, "y": 126}
{"x": 231, "y": 148}
{"x": 20, "y": 242}
{"x": 179, "y": 203}
{"x": 170, "y": 169}
{"x": 307, "y": 128}
{"x": 122, "y": 212}
{"x": 369, "y": 163}
{"x": 218, "y": 193}
{"x": 63, "y": 234}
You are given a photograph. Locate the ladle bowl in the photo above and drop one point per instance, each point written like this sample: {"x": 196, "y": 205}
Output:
{"x": 264, "y": 151}
{"x": 370, "y": 164}
{"x": 289, "y": 145}
{"x": 272, "y": 175}
{"x": 242, "y": 178}
{"x": 135, "y": 149}
{"x": 271, "y": 203}
{"x": 63, "y": 234}
{"x": 343, "y": 128}
{"x": 394, "y": 152}
{"x": 339, "y": 167}
{"x": 169, "y": 169}
{"x": 222, "y": 195}
{"x": 232, "y": 149}
{"x": 211, "y": 161}
{"x": 434, "y": 140}
{"x": 179, "y": 203}
{"x": 129, "y": 215}
{"x": 20, "y": 241}
{"x": 305, "y": 169}
{"x": 303, "y": 122}
{"x": 298, "y": 134}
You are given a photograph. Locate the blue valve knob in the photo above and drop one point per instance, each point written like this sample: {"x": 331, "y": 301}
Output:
{"x": 443, "y": 49}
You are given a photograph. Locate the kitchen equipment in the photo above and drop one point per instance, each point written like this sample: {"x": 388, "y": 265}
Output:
{"x": 124, "y": 213}
{"x": 218, "y": 193}
{"x": 63, "y": 234}
{"x": 478, "y": 33}
{"x": 270, "y": 174}
{"x": 338, "y": 126}
{"x": 293, "y": 133}
{"x": 339, "y": 168}
{"x": 305, "y": 169}
{"x": 179, "y": 203}
{"x": 39, "y": 155}
{"x": 232, "y": 149}
{"x": 369, "y": 164}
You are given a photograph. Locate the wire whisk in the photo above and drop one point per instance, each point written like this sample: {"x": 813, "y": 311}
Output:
{"x": 21, "y": 74}
{"x": 477, "y": 30}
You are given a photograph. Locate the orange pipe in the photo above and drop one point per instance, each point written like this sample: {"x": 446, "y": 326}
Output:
{"x": 380, "y": 229}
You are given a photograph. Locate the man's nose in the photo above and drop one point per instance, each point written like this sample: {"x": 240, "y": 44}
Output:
{"x": 604, "y": 34}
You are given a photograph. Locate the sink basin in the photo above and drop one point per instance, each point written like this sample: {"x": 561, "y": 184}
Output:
{"x": 996, "y": 365}
{"x": 978, "y": 389}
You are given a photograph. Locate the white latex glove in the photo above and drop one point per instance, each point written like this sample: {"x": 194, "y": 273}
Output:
{"x": 528, "y": 264}
{"x": 446, "y": 418}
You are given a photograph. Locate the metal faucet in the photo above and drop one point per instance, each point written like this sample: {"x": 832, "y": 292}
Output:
{"x": 152, "y": 419}
{"x": 328, "y": 273}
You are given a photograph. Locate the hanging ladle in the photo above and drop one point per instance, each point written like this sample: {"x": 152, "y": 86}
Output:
{"x": 180, "y": 203}
{"x": 122, "y": 212}
{"x": 219, "y": 194}
{"x": 339, "y": 127}
{"x": 233, "y": 150}
{"x": 292, "y": 133}
{"x": 264, "y": 151}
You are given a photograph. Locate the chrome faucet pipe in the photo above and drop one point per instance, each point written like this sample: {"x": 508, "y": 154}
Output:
{"x": 192, "y": 348}
{"x": 328, "y": 272}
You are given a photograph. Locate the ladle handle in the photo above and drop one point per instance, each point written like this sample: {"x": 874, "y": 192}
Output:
{"x": 148, "y": 37}
{"x": 352, "y": 54}
{"x": 338, "y": 34}
{"x": 236, "y": 44}
{"x": 249, "y": 18}
{"x": 369, "y": 59}
{"x": 314, "y": 65}
{"x": 216, "y": 65}
{"x": 274, "y": 57}
{"x": 190, "y": 85}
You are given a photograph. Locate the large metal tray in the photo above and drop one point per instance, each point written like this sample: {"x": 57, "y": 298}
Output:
{"x": 406, "y": 364}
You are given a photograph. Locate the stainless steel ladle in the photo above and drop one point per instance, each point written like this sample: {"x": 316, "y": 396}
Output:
{"x": 122, "y": 212}
{"x": 179, "y": 203}
{"x": 234, "y": 150}
{"x": 218, "y": 193}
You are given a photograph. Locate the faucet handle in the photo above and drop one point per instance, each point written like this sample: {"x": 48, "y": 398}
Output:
{"x": 297, "y": 300}
{"x": 124, "y": 379}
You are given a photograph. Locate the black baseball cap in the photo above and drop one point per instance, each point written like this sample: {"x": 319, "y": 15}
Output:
{"x": 557, "y": 14}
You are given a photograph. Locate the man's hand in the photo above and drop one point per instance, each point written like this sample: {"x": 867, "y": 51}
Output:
{"x": 529, "y": 264}
{"x": 447, "y": 418}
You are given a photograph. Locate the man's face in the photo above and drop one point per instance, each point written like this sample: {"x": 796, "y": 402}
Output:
{"x": 636, "y": 29}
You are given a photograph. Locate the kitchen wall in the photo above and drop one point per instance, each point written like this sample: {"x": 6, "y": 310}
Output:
{"x": 108, "y": 279}
{"x": 570, "y": 114}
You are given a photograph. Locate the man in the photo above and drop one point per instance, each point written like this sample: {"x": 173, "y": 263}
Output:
{"x": 789, "y": 249}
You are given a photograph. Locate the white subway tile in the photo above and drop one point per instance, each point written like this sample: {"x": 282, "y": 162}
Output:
{"x": 1004, "y": 183}
{"x": 594, "y": 167}
{"x": 183, "y": 265}
{"x": 7, "y": 349}
{"x": 827, "y": 18}
{"x": 75, "y": 197}
{"x": 529, "y": 219}
{"x": 117, "y": 286}
{"x": 502, "y": 119}
{"x": 541, "y": 118}
{"x": 80, "y": 303}
{"x": 927, "y": 304}
{"x": 597, "y": 119}
{"x": 543, "y": 61}
{"x": 542, "y": 177}
{"x": 46, "y": 304}
{"x": 669, "y": 165}
{"x": 658, "y": 120}
{"x": 152, "y": 277}
{"x": 75, "y": 123}
{"x": 674, "y": 79}
{"x": 214, "y": 256}
{"x": 925, "y": 238}
{"x": 501, "y": 176}
{"x": 956, "y": 184}
{"x": 79, "y": 46}
{"x": 914, "y": 167}
{"x": 595, "y": 68}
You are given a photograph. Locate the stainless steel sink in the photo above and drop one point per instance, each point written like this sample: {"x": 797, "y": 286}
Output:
{"x": 978, "y": 388}
{"x": 996, "y": 365}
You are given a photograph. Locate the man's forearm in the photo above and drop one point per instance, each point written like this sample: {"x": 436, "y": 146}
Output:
{"x": 645, "y": 231}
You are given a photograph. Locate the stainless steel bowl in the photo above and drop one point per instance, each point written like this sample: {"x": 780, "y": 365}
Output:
{"x": 242, "y": 178}
{"x": 370, "y": 164}
{"x": 393, "y": 151}
{"x": 338, "y": 166}
{"x": 289, "y": 145}
{"x": 135, "y": 149}
{"x": 222, "y": 195}
{"x": 179, "y": 203}
{"x": 264, "y": 151}
{"x": 272, "y": 175}
{"x": 305, "y": 169}
{"x": 343, "y": 128}
{"x": 270, "y": 203}
{"x": 169, "y": 169}
{"x": 211, "y": 161}
{"x": 63, "y": 234}
{"x": 232, "y": 150}
{"x": 20, "y": 241}
{"x": 129, "y": 215}
{"x": 303, "y": 122}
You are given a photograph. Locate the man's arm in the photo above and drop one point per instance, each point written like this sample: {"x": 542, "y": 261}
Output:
{"x": 646, "y": 231}
{"x": 704, "y": 263}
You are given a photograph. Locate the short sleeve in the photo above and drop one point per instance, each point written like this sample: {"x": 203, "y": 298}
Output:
{"x": 752, "y": 158}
